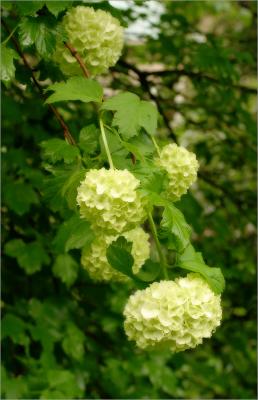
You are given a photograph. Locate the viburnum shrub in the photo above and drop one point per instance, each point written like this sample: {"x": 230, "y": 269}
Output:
{"x": 121, "y": 186}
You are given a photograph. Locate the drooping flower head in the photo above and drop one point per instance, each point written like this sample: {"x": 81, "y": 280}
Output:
{"x": 181, "y": 166}
{"x": 95, "y": 262}
{"x": 97, "y": 37}
{"x": 108, "y": 199}
{"x": 175, "y": 314}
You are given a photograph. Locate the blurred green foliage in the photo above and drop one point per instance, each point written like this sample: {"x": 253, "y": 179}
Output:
{"x": 62, "y": 335}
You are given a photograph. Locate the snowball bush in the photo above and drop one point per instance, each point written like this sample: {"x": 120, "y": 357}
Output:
{"x": 96, "y": 36}
{"x": 108, "y": 199}
{"x": 177, "y": 314}
{"x": 95, "y": 262}
{"x": 181, "y": 166}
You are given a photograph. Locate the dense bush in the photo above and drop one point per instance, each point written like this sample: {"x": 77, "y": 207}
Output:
{"x": 62, "y": 332}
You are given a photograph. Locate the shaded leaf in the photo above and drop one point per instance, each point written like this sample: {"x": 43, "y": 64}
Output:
{"x": 149, "y": 271}
{"x": 73, "y": 234}
{"x": 66, "y": 269}
{"x": 40, "y": 31}
{"x": 73, "y": 342}
{"x": 29, "y": 256}
{"x": 14, "y": 327}
{"x": 7, "y": 65}
{"x": 55, "y": 7}
{"x": 60, "y": 189}
{"x": 80, "y": 236}
{"x": 19, "y": 197}
{"x": 89, "y": 139}
{"x": 58, "y": 149}
{"x": 119, "y": 257}
{"x": 28, "y": 7}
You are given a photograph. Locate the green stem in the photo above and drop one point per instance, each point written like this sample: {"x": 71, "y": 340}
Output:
{"x": 162, "y": 259}
{"x": 156, "y": 145}
{"x": 104, "y": 138}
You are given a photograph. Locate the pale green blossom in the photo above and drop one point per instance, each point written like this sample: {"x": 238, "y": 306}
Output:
{"x": 109, "y": 200}
{"x": 175, "y": 314}
{"x": 181, "y": 166}
{"x": 96, "y": 35}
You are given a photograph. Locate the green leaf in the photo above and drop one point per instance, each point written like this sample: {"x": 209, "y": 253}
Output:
{"x": 73, "y": 342}
{"x": 175, "y": 228}
{"x": 58, "y": 149}
{"x": 14, "y": 247}
{"x": 131, "y": 114}
{"x": 69, "y": 189}
{"x": 119, "y": 257}
{"x": 153, "y": 179}
{"x": 7, "y": 65}
{"x": 19, "y": 197}
{"x": 65, "y": 382}
{"x": 66, "y": 269}
{"x": 55, "y": 7}
{"x": 15, "y": 388}
{"x": 40, "y": 31}
{"x": 14, "y": 327}
{"x": 193, "y": 261}
{"x": 73, "y": 234}
{"x": 61, "y": 188}
{"x": 149, "y": 271}
{"x": 89, "y": 139}
{"x": 28, "y": 7}
{"x": 29, "y": 256}
{"x": 80, "y": 236}
{"x": 76, "y": 88}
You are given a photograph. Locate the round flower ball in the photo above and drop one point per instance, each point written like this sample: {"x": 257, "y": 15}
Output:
{"x": 94, "y": 258}
{"x": 95, "y": 35}
{"x": 175, "y": 314}
{"x": 108, "y": 199}
{"x": 181, "y": 166}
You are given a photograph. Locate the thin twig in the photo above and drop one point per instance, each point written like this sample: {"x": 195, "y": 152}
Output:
{"x": 65, "y": 128}
{"x": 76, "y": 55}
{"x": 191, "y": 74}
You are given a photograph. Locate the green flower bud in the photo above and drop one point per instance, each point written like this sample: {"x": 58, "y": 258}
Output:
{"x": 175, "y": 314}
{"x": 95, "y": 262}
{"x": 108, "y": 199}
{"x": 181, "y": 166}
{"x": 96, "y": 36}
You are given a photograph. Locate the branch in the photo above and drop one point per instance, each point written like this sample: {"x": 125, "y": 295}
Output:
{"x": 76, "y": 55}
{"x": 198, "y": 75}
{"x": 65, "y": 128}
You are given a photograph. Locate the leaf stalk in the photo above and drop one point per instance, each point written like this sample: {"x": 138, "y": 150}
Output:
{"x": 162, "y": 258}
{"x": 105, "y": 142}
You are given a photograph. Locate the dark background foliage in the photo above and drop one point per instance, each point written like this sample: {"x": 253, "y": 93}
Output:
{"x": 62, "y": 335}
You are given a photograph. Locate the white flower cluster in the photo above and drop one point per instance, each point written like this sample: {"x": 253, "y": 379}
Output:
{"x": 96, "y": 36}
{"x": 95, "y": 262}
{"x": 181, "y": 166}
{"x": 175, "y": 314}
{"x": 108, "y": 199}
